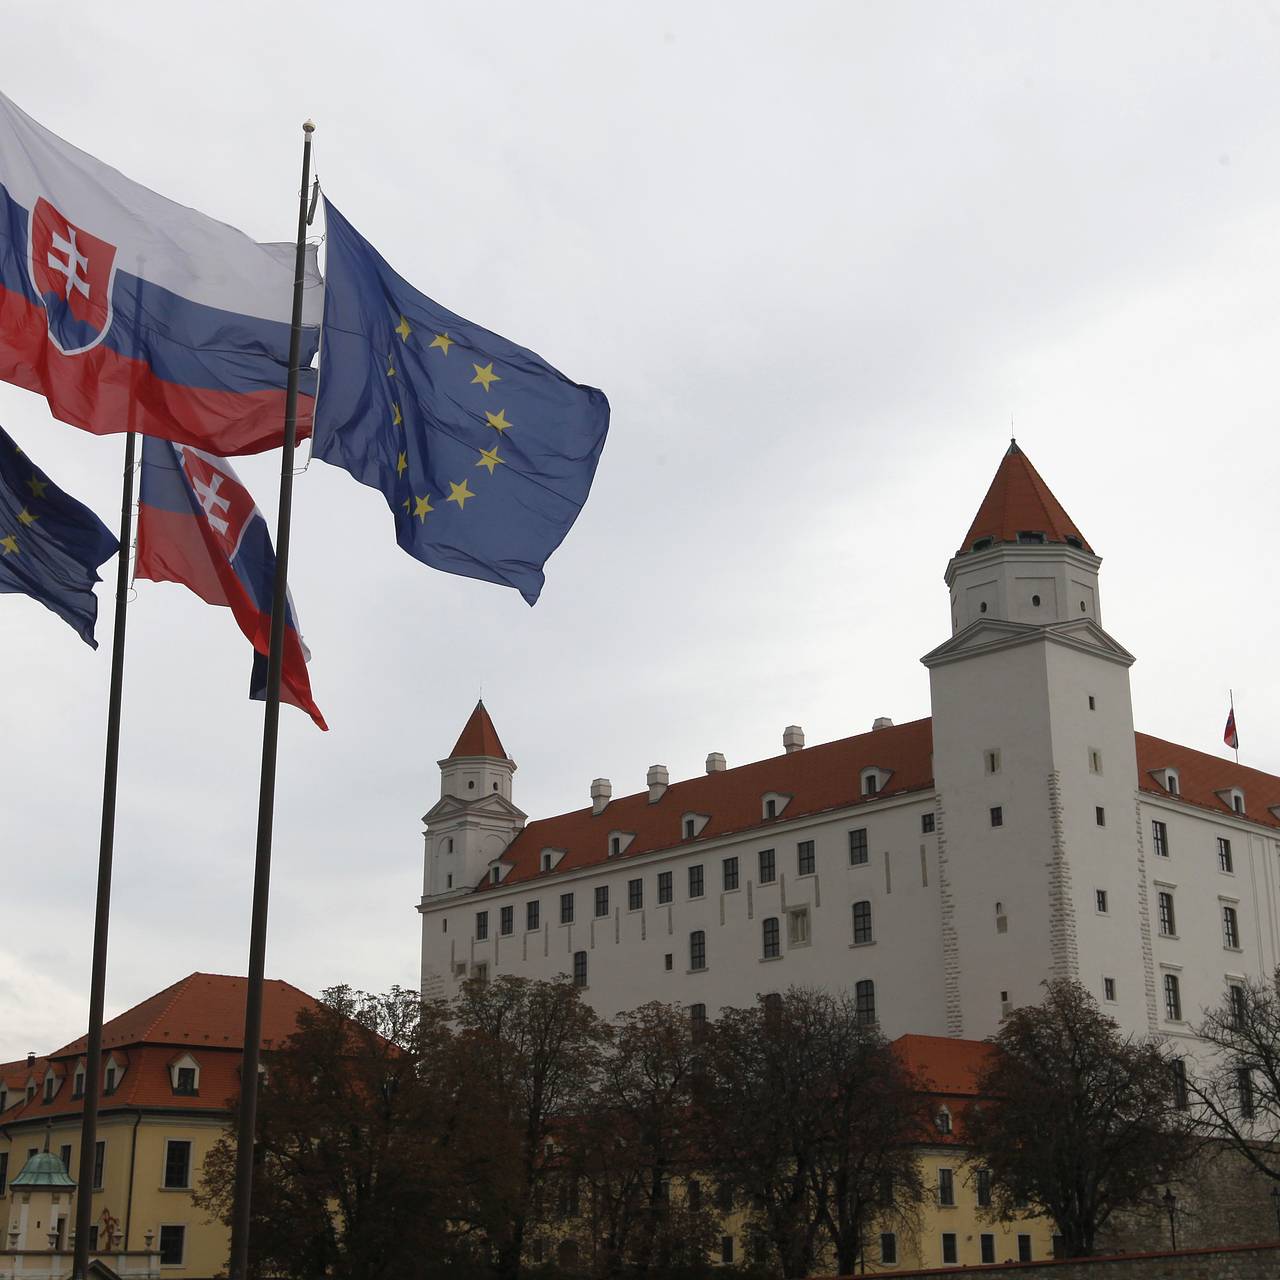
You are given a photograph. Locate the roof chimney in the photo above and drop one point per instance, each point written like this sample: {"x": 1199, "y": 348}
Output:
{"x": 792, "y": 738}
{"x": 881, "y": 722}
{"x": 601, "y": 794}
{"x": 31, "y": 1059}
{"x": 715, "y": 762}
{"x": 657, "y": 778}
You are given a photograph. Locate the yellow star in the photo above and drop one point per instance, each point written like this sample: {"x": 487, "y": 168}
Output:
{"x": 26, "y": 517}
{"x": 498, "y": 421}
{"x": 10, "y": 545}
{"x": 460, "y": 493}
{"x": 401, "y": 463}
{"x": 403, "y": 329}
{"x": 37, "y": 486}
{"x": 396, "y": 418}
{"x": 391, "y": 365}
{"x": 443, "y": 341}
{"x": 421, "y": 506}
{"x": 485, "y": 376}
{"x": 405, "y": 504}
{"x": 489, "y": 458}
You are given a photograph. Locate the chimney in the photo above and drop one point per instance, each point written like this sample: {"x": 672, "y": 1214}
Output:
{"x": 657, "y": 778}
{"x": 31, "y": 1060}
{"x": 792, "y": 738}
{"x": 881, "y": 722}
{"x": 715, "y": 762}
{"x": 601, "y": 794}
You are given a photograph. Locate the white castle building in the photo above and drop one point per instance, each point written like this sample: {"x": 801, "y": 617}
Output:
{"x": 940, "y": 870}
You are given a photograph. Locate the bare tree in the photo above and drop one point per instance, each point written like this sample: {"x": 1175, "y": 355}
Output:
{"x": 1077, "y": 1119}
{"x": 1238, "y": 1096}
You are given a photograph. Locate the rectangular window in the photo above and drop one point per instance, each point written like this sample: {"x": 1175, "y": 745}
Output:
{"x": 726, "y": 1250}
{"x": 772, "y": 938}
{"x": 695, "y": 881}
{"x": 948, "y": 1247}
{"x": 172, "y": 1245}
{"x": 177, "y": 1164}
{"x": 566, "y": 908}
{"x": 984, "y": 1188}
{"x": 729, "y": 873}
{"x": 666, "y": 960}
{"x": 4, "y": 1171}
{"x": 93, "y": 1238}
{"x": 1160, "y": 838}
{"x": 77, "y": 1087}
{"x": 798, "y": 927}
{"x": 926, "y": 824}
{"x": 507, "y": 920}
{"x": 109, "y": 1082}
{"x": 480, "y": 972}
{"x": 482, "y": 925}
{"x": 65, "y": 1155}
{"x": 1024, "y": 1248}
{"x": 532, "y": 915}
{"x": 1164, "y": 904}
{"x": 697, "y": 950}
{"x": 1230, "y": 929}
{"x": 864, "y": 999}
{"x": 888, "y": 1248}
{"x": 698, "y": 1018}
{"x": 579, "y": 968}
{"x": 1178, "y": 1070}
{"x": 1109, "y": 989}
{"x": 805, "y": 860}
{"x": 1101, "y": 898}
{"x": 635, "y": 895}
{"x": 1235, "y": 994}
{"x": 602, "y": 900}
{"x": 862, "y": 921}
{"x": 99, "y": 1163}
{"x": 946, "y": 1187}
{"x": 770, "y": 808}
{"x": 48, "y": 1089}
{"x": 997, "y": 815}
{"x": 1244, "y": 1085}
{"x": 987, "y": 1244}
{"x": 186, "y": 1081}
{"x": 664, "y": 886}
{"x": 768, "y": 867}
{"x": 615, "y": 846}
{"x": 1224, "y": 854}
{"x": 1172, "y": 998}
{"x": 690, "y": 825}
{"x": 858, "y": 847}
{"x": 1100, "y": 815}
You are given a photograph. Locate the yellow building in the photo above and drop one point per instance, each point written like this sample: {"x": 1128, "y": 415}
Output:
{"x": 171, "y": 1071}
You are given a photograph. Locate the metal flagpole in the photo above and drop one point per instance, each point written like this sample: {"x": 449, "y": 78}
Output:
{"x": 106, "y": 849}
{"x": 242, "y": 1204}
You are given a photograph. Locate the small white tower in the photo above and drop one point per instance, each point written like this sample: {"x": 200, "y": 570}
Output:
{"x": 1035, "y": 769}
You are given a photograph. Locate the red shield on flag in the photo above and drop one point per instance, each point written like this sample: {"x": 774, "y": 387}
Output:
{"x": 73, "y": 272}
{"x": 227, "y": 506}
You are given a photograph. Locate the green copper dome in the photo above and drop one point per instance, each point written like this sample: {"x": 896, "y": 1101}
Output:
{"x": 43, "y": 1170}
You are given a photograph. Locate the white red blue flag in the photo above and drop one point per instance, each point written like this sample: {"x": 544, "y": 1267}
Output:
{"x": 1229, "y": 735}
{"x": 127, "y": 311}
{"x": 198, "y": 525}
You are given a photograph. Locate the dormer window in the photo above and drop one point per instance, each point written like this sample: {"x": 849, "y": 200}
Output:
{"x": 184, "y": 1076}
{"x": 1168, "y": 778}
{"x": 943, "y": 1121}
{"x": 50, "y": 1086}
{"x": 983, "y": 544}
{"x": 546, "y": 860}
{"x": 873, "y": 781}
{"x": 1027, "y": 537}
{"x": 770, "y": 808}
{"x": 620, "y": 842}
{"x": 495, "y": 874}
{"x": 109, "y": 1077}
{"x": 615, "y": 846}
{"x": 77, "y": 1084}
{"x": 691, "y": 825}
{"x": 772, "y": 805}
{"x": 1072, "y": 541}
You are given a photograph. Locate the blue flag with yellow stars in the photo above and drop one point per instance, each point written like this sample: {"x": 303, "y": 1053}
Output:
{"x": 50, "y": 544}
{"x": 485, "y": 453}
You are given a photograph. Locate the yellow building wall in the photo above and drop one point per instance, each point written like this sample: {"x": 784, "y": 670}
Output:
{"x": 138, "y": 1144}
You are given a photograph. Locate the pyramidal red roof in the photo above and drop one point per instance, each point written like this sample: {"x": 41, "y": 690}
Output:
{"x": 479, "y": 737}
{"x": 203, "y": 1009}
{"x": 1019, "y": 501}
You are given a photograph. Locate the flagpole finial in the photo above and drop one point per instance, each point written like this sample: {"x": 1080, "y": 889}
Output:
{"x": 308, "y": 127}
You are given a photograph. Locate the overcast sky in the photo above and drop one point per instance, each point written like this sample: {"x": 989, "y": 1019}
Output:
{"x": 817, "y": 255}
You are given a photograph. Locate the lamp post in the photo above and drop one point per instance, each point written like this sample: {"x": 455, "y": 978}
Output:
{"x": 1170, "y": 1202}
{"x": 1275, "y": 1204}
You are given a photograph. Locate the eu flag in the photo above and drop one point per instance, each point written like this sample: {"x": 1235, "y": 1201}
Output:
{"x": 485, "y": 453}
{"x": 50, "y": 544}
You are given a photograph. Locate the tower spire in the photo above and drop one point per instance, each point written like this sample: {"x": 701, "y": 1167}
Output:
{"x": 1020, "y": 507}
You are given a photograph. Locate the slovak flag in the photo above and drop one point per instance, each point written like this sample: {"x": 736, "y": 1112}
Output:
{"x": 129, "y": 312}
{"x": 1229, "y": 735}
{"x": 198, "y": 525}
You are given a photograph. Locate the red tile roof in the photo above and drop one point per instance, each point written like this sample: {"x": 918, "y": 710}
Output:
{"x": 948, "y": 1066}
{"x": 1201, "y": 776}
{"x": 1019, "y": 501}
{"x": 478, "y": 737}
{"x": 817, "y": 778}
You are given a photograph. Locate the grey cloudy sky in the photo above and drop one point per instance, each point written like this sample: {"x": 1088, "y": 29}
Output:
{"x": 816, "y": 255}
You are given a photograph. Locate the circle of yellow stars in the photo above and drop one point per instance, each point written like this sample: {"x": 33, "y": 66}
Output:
{"x": 485, "y": 377}
{"x": 9, "y": 544}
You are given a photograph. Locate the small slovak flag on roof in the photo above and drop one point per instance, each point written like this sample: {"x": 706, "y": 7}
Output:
{"x": 1229, "y": 733}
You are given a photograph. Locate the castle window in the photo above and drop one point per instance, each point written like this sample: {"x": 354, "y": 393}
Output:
{"x": 805, "y": 860}
{"x": 1171, "y": 781}
{"x": 1172, "y": 998}
{"x": 186, "y": 1081}
{"x": 871, "y": 782}
{"x": 615, "y": 846}
{"x": 698, "y": 1018}
{"x": 507, "y": 920}
{"x": 983, "y": 544}
{"x": 602, "y": 900}
{"x": 173, "y": 1241}
{"x": 946, "y": 1186}
{"x": 1100, "y": 896}
{"x": 1035, "y": 600}
{"x": 1109, "y": 989}
{"x": 689, "y": 828}
{"x": 982, "y": 608}
{"x": 697, "y": 950}
{"x": 768, "y": 868}
{"x": 471, "y": 784}
{"x": 1237, "y": 801}
{"x": 729, "y": 873}
{"x": 984, "y": 1188}
{"x": 664, "y": 886}
{"x": 889, "y": 1248}
{"x": 858, "y": 847}
{"x": 772, "y": 935}
{"x": 579, "y": 968}
{"x": 695, "y": 881}
{"x": 532, "y": 914}
{"x": 1093, "y": 706}
{"x": 177, "y": 1164}
{"x": 1230, "y": 929}
{"x": 862, "y": 922}
{"x": 798, "y": 927}
{"x": 1236, "y": 1005}
{"x": 1160, "y": 838}
{"x": 1244, "y": 1086}
{"x": 667, "y": 961}
{"x": 77, "y": 1087}
{"x": 1100, "y": 815}
{"x": 109, "y": 1081}
{"x": 987, "y": 1247}
{"x": 495, "y": 874}
{"x": 49, "y": 1085}
{"x": 546, "y": 862}
{"x": 635, "y": 895}
{"x": 949, "y": 1255}
{"x": 482, "y": 925}
{"x": 449, "y": 845}
{"x": 864, "y": 1001}
{"x": 1178, "y": 1069}
{"x": 997, "y": 815}
{"x": 1027, "y": 538}
{"x": 926, "y": 823}
{"x": 1168, "y": 922}
{"x": 566, "y": 908}
{"x": 943, "y": 1121}
{"x": 1224, "y": 854}
{"x": 770, "y": 808}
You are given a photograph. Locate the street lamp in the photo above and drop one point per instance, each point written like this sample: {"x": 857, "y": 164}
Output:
{"x": 1275, "y": 1201}
{"x": 1170, "y": 1202}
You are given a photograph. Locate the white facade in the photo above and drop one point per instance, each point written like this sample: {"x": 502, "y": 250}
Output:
{"x": 1023, "y": 850}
